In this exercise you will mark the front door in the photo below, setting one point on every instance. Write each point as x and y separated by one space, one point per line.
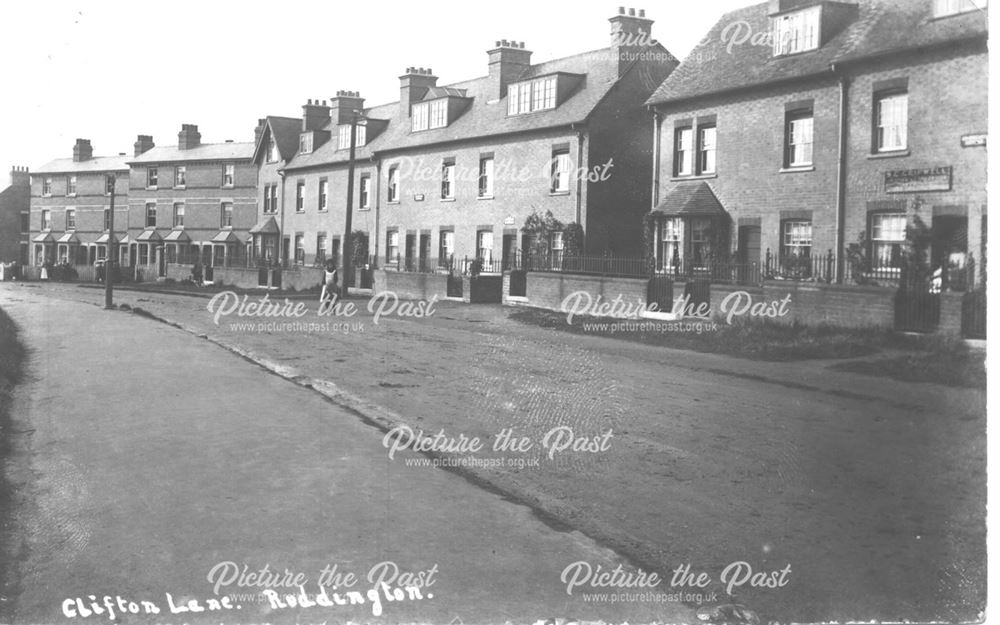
411 250
509 249
425 250
749 244
949 244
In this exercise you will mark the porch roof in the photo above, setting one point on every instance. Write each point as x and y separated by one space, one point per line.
267 226
149 235
177 235
690 199
69 237
45 237
226 236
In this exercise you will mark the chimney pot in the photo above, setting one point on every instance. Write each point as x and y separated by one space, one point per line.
498 44
621 10
631 12
642 12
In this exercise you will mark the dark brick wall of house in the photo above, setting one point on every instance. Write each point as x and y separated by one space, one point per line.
14 200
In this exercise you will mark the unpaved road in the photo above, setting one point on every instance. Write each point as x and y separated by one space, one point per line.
147 458
872 491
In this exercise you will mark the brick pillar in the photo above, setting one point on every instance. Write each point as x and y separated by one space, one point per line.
951 313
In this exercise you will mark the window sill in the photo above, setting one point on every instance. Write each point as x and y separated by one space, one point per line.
228 186
796 170
364 208
485 197
153 188
893 154
320 210
71 195
392 202
180 187
447 199
558 193
692 177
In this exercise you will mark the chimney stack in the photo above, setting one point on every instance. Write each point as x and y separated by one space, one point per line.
630 35
507 62
19 177
343 105
314 115
143 144
413 85
259 130
188 137
82 151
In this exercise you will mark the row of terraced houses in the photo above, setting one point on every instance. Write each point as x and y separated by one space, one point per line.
797 130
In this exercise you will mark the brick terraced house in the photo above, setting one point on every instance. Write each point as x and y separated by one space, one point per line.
799 128
454 171
70 206
190 202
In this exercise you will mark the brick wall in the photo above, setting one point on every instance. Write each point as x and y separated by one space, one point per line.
548 290
521 187
946 100
89 203
749 180
313 220
415 286
811 304
202 197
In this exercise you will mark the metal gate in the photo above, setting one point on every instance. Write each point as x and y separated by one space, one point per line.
918 304
974 314
454 285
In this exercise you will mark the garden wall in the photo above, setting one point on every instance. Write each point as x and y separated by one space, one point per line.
416 286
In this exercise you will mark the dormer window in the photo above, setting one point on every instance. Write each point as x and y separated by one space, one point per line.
344 136
796 32
272 151
305 143
944 8
439 113
433 114
531 96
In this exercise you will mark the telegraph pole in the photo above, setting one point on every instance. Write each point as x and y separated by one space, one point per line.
109 265
348 243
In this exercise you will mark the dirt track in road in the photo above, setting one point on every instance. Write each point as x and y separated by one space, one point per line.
871 490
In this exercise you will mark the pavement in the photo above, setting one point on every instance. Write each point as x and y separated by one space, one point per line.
149 458
872 490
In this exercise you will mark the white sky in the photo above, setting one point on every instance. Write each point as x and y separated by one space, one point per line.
109 70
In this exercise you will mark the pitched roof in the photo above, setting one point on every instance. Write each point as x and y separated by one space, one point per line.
690 199
203 152
898 25
487 114
721 63
91 165
286 131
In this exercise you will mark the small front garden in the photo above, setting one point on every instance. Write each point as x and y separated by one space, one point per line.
911 358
